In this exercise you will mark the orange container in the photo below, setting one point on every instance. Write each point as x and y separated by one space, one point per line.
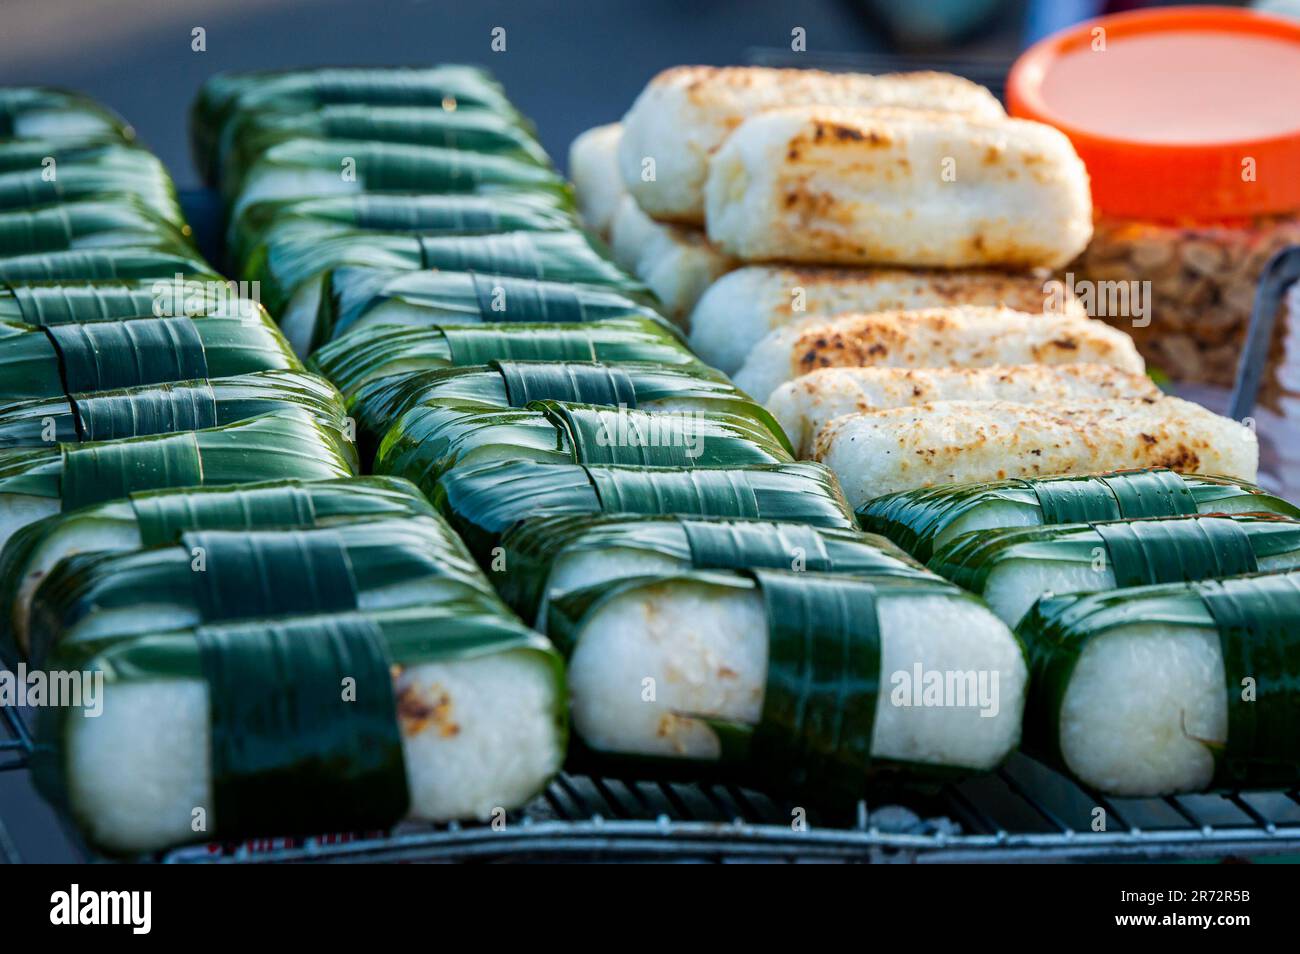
1180 113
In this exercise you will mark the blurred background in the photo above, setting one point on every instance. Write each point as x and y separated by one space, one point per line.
569 65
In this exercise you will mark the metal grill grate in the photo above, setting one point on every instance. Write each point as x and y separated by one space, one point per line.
1023 812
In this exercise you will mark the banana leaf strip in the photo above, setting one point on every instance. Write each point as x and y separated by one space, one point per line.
485 501
139 261
82 224
72 301
354 359
823 678
94 472
1257 619
286 748
920 521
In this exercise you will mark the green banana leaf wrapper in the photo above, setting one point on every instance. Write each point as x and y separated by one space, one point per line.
429 440
18 155
513 384
216 576
145 261
1075 557
300 276
226 97
127 173
353 298
88 225
1257 618
357 358
171 406
64 477
813 737
73 301
46 362
288 754
920 520
485 501
157 517
312 168
477 213
618 547
471 130
32 112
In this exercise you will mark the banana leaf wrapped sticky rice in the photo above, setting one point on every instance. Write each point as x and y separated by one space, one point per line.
63 477
227 96
72 301
46 362
1166 689
98 223
356 358
802 681
1011 568
923 521
293 274
473 130
170 406
547 557
359 297
495 210
236 730
429 440
513 384
212 576
118 170
30 112
309 168
156 517
485 501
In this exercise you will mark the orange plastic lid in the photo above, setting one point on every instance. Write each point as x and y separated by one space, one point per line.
1179 113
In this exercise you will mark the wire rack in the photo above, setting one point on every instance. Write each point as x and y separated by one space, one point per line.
1023 812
